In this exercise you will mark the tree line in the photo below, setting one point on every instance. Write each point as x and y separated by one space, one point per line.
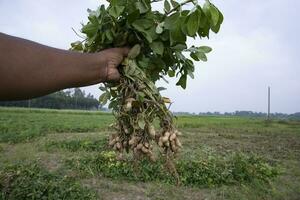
67 99
77 99
245 114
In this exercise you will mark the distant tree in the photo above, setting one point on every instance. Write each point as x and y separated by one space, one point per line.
59 100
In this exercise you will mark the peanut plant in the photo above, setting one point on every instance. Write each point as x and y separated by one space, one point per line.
159 49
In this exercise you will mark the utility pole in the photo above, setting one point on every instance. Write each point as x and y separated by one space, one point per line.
29 103
269 102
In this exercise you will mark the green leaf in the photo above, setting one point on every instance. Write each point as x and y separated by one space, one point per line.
143 62
133 16
90 29
174 3
221 18
113 105
171 73
152 33
201 56
114 2
77 46
147 36
134 51
109 35
167 6
204 32
142 6
179 47
171 21
194 56
142 24
157 47
193 23
161 88
102 88
206 9
176 36
183 21
203 21
205 49
214 14
182 81
116 11
191 74
165 36
216 28
104 98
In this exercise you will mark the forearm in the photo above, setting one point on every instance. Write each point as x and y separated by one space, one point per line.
29 69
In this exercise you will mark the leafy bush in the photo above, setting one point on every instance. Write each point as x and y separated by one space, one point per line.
211 171
29 181
79 145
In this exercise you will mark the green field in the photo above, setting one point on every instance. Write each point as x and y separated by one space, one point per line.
63 155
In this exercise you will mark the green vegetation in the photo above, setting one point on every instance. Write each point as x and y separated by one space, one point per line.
237 125
19 125
206 171
58 100
29 181
222 158
79 145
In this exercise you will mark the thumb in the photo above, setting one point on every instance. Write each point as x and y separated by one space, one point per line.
124 51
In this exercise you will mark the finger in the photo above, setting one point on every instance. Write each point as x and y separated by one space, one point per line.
113 75
125 51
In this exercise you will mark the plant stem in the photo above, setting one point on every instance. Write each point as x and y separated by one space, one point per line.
179 5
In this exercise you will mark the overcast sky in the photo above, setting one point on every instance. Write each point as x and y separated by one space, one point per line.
258 46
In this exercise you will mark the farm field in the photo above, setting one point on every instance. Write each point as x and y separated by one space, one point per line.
63 154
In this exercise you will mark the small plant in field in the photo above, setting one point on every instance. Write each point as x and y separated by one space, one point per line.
159 47
29 181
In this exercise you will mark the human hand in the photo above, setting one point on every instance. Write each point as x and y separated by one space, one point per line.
110 60
34 70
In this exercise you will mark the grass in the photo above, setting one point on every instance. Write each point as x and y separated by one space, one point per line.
20 125
79 145
237 125
223 158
